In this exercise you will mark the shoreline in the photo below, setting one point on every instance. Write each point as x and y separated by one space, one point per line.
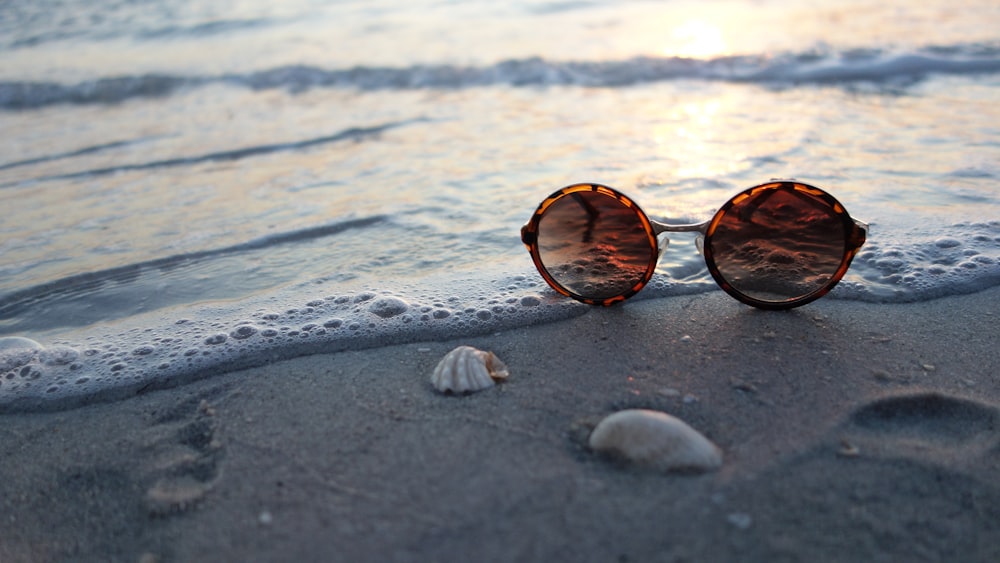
849 431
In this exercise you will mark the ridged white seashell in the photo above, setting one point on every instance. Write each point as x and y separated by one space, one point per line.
656 440
466 369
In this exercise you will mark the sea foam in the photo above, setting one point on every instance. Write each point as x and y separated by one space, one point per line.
115 363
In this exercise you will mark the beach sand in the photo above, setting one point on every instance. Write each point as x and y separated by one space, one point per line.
850 432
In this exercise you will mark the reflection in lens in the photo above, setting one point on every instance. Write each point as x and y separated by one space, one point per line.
594 245
779 244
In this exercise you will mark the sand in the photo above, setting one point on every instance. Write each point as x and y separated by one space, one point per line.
850 432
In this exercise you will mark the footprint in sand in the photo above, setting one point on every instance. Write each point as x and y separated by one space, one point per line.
184 458
924 424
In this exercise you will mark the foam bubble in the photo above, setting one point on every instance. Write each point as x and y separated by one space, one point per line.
16 351
243 332
387 307
216 339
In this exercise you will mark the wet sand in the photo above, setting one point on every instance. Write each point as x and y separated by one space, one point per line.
850 432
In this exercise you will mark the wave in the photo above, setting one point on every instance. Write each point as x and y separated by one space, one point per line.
75 153
33 24
29 95
811 67
16 307
350 134
214 27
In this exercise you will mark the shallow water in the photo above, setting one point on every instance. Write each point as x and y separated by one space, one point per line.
172 173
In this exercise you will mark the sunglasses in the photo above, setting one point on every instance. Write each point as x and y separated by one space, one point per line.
775 246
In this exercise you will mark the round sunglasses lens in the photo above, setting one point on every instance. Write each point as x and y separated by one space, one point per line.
778 245
594 245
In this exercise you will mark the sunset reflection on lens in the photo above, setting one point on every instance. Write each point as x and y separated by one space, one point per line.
595 246
777 243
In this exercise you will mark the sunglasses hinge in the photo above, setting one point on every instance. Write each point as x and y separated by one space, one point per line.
528 235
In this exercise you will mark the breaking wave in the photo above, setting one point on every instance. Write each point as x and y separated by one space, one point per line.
812 67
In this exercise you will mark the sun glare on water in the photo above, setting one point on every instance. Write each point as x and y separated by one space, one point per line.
696 39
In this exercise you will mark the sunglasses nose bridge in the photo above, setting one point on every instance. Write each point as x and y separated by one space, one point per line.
661 230
662 242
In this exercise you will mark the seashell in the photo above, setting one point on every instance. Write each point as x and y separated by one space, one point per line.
656 440
466 369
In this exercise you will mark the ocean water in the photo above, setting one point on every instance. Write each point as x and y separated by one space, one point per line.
190 188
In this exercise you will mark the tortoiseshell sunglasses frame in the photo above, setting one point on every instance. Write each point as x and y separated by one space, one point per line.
856 234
